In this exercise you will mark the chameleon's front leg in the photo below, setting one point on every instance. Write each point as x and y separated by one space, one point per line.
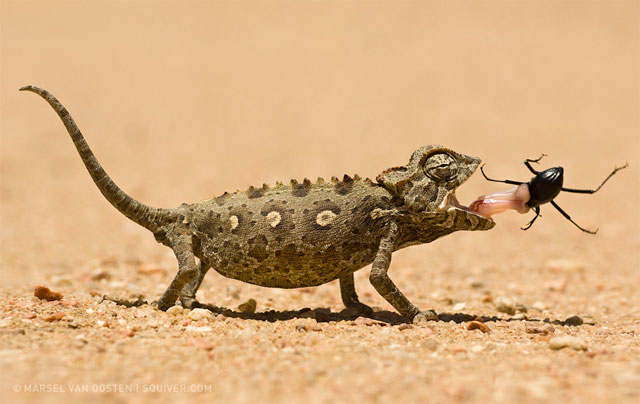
385 286
349 295
187 271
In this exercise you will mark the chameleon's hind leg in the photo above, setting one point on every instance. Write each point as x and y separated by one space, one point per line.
187 271
188 294
350 297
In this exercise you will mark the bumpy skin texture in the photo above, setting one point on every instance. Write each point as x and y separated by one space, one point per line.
303 234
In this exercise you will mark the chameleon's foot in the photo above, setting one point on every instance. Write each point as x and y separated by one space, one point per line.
189 302
164 304
424 316
358 309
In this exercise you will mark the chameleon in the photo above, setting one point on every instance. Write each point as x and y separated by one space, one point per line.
303 234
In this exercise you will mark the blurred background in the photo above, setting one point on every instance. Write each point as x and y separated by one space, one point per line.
182 101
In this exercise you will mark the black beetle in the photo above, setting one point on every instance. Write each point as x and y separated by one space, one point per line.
546 185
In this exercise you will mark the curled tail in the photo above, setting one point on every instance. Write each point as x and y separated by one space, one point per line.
145 216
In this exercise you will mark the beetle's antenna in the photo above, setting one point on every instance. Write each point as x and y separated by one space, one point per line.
504 181
555 205
537 210
593 191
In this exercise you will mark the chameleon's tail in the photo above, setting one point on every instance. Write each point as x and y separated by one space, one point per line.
140 213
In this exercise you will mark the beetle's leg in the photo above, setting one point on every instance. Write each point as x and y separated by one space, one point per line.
537 210
569 219
528 162
505 181
593 191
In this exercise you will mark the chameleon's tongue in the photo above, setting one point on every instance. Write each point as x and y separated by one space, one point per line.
516 199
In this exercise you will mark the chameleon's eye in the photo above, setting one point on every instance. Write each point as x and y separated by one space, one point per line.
440 167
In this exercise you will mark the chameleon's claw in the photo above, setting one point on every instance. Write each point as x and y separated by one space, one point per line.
424 316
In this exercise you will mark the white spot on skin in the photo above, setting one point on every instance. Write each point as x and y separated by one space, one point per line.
274 218
234 222
325 218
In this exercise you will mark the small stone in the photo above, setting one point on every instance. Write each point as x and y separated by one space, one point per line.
545 330
565 265
127 333
367 321
458 306
175 311
248 307
430 344
559 285
202 344
505 305
44 293
192 328
100 274
54 317
477 325
405 326
540 306
521 308
29 316
573 321
476 284
567 341
146 269
199 314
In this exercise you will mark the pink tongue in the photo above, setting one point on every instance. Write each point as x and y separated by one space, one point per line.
516 199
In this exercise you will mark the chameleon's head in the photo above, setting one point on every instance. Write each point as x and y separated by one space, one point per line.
427 184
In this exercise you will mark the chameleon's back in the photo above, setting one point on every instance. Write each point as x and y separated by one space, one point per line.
292 235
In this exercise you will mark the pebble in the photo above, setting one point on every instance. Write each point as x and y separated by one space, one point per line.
573 321
175 310
248 307
477 325
127 333
199 314
458 306
545 330
202 344
403 327
100 274
567 341
505 305
145 269
540 306
44 293
54 317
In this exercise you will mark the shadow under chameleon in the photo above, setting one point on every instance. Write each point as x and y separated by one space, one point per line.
323 315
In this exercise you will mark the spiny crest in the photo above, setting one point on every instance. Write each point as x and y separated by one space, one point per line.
341 186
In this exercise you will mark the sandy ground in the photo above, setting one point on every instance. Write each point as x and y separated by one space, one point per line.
182 101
